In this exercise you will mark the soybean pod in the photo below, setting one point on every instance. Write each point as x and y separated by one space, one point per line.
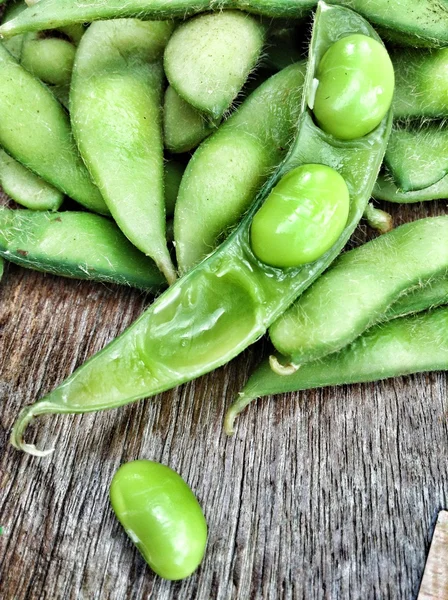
421 84
35 130
226 171
227 302
184 127
387 189
209 58
78 245
402 346
430 28
417 155
120 135
429 295
373 277
26 188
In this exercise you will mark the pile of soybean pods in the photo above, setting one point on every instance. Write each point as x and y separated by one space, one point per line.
215 155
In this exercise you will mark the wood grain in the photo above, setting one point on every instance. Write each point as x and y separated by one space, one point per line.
435 578
328 494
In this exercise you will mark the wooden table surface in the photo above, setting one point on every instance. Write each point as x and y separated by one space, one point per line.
322 494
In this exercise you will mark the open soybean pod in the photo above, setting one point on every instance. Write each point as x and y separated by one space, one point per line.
402 346
229 300
115 111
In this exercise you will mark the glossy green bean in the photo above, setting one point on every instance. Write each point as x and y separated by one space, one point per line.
430 28
386 189
226 171
226 303
26 188
210 80
162 517
372 277
35 130
79 245
184 127
399 347
120 136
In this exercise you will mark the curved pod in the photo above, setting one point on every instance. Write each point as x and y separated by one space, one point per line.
115 111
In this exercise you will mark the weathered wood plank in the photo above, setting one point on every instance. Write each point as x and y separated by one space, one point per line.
325 494
435 578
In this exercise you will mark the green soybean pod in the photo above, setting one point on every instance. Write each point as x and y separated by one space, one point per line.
386 189
51 14
429 295
209 58
49 59
417 155
429 28
184 127
227 170
229 300
14 44
402 346
358 289
421 88
26 188
35 130
78 245
120 136
162 517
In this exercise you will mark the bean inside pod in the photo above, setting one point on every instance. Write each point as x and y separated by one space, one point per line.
302 217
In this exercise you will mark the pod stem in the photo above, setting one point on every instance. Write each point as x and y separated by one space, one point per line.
234 410
25 417
281 369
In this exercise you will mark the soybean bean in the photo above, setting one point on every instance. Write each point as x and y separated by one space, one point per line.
226 303
358 289
400 347
301 219
26 188
209 58
162 517
35 130
76 245
354 87
228 169
430 28
120 137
